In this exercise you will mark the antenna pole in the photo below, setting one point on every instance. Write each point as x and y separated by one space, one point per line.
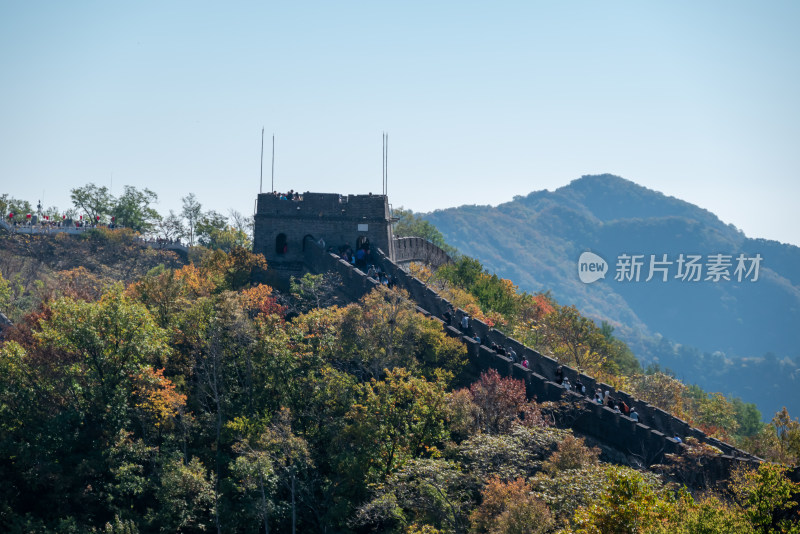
383 163
273 162
261 176
386 166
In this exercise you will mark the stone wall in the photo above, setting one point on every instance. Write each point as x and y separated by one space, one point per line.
407 249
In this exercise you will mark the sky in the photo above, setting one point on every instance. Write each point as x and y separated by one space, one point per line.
482 101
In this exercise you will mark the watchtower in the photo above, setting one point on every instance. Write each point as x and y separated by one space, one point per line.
284 227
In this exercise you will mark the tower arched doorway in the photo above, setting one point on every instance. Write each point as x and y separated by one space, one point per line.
281 244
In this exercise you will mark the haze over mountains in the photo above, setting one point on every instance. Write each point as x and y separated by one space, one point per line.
737 336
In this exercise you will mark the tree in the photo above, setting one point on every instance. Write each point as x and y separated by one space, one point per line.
501 402
572 453
20 208
226 238
93 200
398 418
133 209
575 339
510 508
5 294
185 497
517 453
209 224
424 491
192 210
170 227
111 339
629 504
314 291
768 498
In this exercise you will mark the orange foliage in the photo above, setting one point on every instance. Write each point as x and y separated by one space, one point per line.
197 282
259 300
79 284
158 398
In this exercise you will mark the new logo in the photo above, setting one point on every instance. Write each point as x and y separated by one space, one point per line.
591 267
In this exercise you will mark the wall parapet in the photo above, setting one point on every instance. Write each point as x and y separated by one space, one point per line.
407 249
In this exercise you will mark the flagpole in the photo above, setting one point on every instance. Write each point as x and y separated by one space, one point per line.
273 162
261 178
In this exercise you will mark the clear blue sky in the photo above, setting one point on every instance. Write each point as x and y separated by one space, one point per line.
482 100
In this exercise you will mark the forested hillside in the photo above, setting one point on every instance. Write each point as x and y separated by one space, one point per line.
737 335
144 393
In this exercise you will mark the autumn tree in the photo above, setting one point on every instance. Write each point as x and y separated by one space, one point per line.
501 402
510 507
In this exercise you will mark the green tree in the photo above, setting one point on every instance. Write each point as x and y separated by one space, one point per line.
628 504
314 291
769 499
185 497
111 341
20 208
208 225
134 209
424 491
95 201
398 418
5 294
574 339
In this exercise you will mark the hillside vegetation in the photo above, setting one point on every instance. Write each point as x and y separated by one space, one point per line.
180 397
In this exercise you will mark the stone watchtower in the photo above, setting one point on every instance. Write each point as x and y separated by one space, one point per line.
283 227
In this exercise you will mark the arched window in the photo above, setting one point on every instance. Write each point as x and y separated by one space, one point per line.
281 246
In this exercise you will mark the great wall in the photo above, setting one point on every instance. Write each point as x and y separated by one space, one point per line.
308 231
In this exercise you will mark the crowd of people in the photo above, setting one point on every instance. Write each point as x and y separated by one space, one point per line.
291 195
362 259
47 224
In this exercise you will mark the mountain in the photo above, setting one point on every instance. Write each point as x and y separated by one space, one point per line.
738 335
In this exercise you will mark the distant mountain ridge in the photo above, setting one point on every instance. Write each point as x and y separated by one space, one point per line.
536 240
